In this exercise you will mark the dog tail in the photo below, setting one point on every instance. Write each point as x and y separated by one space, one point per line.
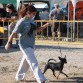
51 59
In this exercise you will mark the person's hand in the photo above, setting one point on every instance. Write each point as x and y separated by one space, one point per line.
50 23
7 46
47 24
4 19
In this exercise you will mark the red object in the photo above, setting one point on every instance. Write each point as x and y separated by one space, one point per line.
78 10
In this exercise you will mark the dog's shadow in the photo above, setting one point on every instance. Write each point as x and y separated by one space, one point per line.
77 79
69 80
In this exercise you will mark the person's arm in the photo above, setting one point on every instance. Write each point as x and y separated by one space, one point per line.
8 45
43 27
51 15
17 30
11 37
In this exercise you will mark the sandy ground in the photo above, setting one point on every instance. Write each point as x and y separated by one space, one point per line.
10 60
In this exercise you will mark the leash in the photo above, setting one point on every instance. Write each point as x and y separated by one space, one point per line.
59 48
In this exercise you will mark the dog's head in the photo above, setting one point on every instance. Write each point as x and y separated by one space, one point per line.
63 60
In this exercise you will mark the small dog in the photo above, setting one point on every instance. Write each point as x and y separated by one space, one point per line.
56 66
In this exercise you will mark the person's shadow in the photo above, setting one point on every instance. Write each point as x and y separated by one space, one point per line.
66 80
13 49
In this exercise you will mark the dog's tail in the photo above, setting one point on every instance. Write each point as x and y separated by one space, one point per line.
51 59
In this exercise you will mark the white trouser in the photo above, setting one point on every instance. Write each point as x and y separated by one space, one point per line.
29 60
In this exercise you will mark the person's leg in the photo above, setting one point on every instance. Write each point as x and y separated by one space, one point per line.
24 66
54 34
31 59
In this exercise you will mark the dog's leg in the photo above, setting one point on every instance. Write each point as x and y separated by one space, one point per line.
58 75
45 69
54 72
64 74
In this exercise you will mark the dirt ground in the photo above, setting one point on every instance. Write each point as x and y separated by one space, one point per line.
10 60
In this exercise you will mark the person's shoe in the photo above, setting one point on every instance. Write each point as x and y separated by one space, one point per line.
18 81
47 81
22 80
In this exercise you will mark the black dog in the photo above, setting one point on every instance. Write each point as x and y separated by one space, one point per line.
56 66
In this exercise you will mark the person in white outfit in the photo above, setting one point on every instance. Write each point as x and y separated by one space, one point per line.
26 28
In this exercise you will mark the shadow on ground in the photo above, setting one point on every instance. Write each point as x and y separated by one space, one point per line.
67 80
43 47
57 47
2 50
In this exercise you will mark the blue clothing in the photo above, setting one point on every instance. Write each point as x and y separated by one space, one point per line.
26 29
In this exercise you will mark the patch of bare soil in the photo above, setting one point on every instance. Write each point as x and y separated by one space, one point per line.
10 60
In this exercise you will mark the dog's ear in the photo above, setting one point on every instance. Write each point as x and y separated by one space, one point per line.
59 58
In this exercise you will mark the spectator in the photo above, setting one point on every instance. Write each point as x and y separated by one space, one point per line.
11 11
12 14
45 16
37 17
56 14
2 15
